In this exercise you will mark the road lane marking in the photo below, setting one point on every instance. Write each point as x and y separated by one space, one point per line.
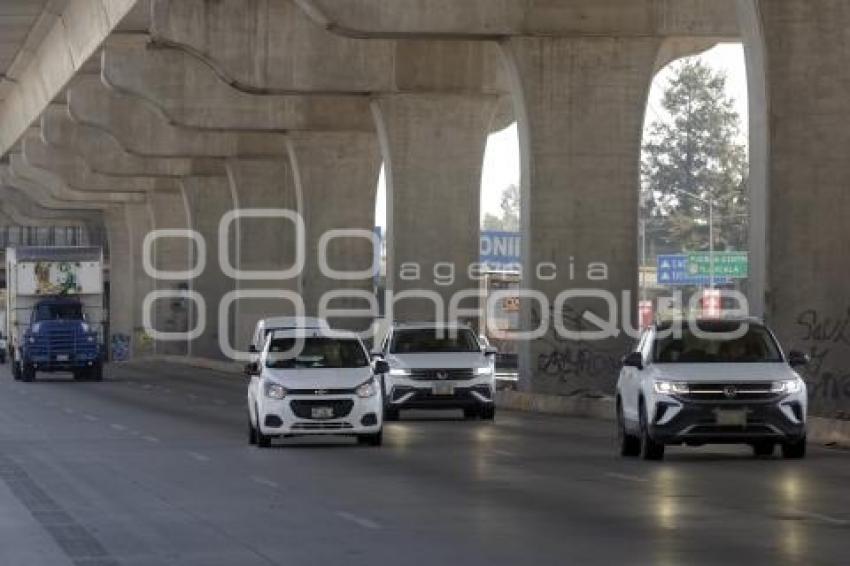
118 427
69 411
626 477
150 438
264 481
358 520
199 457
91 418
504 453
823 518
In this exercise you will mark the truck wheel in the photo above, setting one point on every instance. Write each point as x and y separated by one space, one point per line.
96 373
27 373
16 370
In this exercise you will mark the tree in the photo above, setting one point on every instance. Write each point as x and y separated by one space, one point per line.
508 221
696 150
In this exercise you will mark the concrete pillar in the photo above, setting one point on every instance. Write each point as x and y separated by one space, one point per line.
580 106
263 244
208 199
337 174
433 146
122 282
175 254
805 45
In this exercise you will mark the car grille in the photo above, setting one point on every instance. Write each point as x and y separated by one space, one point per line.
303 407
730 392
55 342
456 374
322 426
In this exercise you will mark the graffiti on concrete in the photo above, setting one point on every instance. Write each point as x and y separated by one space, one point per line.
566 359
827 341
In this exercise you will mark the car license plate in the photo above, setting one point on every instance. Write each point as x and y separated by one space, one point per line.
62 357
731 418
444 389
322 412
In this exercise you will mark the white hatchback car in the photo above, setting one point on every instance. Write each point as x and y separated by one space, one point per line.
438 366
314 382
711 381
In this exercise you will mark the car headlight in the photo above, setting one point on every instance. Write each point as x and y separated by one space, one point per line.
787 386
85 327
484 371
275 391
368 389
399 372
671 387
36 327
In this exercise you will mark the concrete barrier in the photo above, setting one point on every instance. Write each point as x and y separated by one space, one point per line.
824 431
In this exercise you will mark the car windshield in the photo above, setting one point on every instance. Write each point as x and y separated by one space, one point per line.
715 345
58 311
315 353
431 340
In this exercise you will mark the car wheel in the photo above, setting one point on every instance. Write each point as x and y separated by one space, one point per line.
391 415
763 449
96 373
472 413
794 450
263 441
488 413
27 373
629 443
371 439
650 450
252 432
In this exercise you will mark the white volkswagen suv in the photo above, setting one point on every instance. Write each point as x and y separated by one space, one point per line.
438 366
314 382
711 381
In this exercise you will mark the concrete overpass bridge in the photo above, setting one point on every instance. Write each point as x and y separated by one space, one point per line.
138 115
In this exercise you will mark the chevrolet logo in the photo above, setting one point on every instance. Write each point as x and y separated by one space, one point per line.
730 391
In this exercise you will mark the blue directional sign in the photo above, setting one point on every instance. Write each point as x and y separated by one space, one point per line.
674 270
500 251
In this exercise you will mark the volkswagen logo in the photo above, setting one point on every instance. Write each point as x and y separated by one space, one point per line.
730 391
442 375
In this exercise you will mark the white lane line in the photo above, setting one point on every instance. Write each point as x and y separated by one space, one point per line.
358 520
264 481
192 397
626 477
167 390
91 418
150 438
69 411
117 427
504 453
823 518
199 457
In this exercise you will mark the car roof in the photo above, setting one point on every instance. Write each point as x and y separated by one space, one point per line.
314 333
707 321
292 322
429 325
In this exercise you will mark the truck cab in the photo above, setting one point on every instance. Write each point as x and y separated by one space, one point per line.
59 338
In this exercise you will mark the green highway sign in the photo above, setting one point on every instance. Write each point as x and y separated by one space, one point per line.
735 265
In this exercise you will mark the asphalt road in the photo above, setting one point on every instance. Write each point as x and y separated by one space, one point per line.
153 467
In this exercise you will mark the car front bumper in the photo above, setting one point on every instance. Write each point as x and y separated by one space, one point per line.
410 394
352 415
676 421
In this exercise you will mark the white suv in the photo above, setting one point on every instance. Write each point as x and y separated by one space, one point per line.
314 382
711 381
437 366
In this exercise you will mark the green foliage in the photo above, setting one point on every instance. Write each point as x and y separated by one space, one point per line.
695 150
508 221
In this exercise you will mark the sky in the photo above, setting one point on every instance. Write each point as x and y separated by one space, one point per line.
501 159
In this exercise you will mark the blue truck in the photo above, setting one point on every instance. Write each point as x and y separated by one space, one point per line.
55 312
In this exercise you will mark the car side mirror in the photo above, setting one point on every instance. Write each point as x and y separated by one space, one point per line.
252 369
798 359
633 360
252 349
490 351
381 367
